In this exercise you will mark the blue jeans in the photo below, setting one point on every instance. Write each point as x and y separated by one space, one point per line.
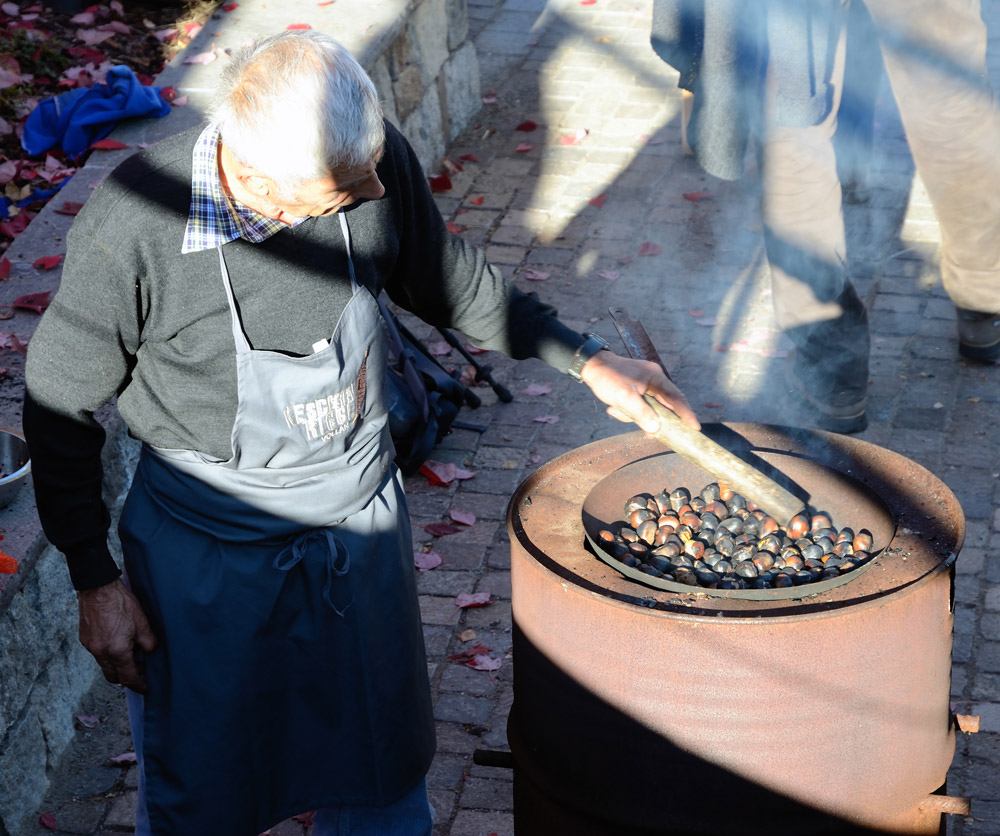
412 815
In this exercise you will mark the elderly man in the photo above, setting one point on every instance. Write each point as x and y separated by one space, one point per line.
222 284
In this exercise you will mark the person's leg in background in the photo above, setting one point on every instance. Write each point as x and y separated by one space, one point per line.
935 57
816 304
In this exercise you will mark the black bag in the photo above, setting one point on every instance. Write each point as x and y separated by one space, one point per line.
424 398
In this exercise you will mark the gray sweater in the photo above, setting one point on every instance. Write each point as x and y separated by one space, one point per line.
137 319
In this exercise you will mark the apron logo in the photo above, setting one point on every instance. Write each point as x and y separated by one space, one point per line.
326 417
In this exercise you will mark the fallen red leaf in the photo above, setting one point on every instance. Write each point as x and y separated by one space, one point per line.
610 275
4 268
649 248
477 201
468 653
696 312
462 517
482 662
465 600
8 564
18 346
86 54
425 561
168 94
574 139
202 57
440 529
438 473
37 302
48 821
327 3
124 757
537 389
695 197
469 158
599 200
546 419
454 228
490 98
524 147
626 260
535 275
47 262
298 26
440 182
192 28
527 125
228 7
588 2
473 350
109 145
439 348
16 225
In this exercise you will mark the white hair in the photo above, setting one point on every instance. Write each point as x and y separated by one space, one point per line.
295 106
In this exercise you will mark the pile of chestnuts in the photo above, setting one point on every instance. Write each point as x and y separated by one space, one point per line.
717 540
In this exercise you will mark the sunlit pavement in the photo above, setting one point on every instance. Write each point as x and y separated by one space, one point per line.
597 207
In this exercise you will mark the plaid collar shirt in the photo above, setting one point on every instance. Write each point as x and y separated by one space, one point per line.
214 219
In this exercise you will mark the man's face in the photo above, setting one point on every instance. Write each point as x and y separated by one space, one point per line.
326 195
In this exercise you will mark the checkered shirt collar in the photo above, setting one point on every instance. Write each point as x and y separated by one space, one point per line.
214 219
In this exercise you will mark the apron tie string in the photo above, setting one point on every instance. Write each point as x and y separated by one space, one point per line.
338 559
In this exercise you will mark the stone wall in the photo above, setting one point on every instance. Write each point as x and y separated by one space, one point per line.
427 75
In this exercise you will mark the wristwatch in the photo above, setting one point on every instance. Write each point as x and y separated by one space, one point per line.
593 344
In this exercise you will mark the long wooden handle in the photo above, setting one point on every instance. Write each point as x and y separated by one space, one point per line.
716 460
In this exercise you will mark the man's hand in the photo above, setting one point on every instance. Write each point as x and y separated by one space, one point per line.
114 629
621 382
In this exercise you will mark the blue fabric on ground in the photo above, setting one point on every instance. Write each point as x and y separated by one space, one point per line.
77 118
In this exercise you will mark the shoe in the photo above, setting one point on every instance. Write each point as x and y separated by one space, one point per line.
978 335
840 412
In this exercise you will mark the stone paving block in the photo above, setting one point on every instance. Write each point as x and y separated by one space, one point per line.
463 679
438 610
463 708
122 812
438 582
476 823
456 738
436 639
988 656
959 680
498 583
970 561
487 794
989 626
446 772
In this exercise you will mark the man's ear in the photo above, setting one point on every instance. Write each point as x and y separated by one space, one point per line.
257 184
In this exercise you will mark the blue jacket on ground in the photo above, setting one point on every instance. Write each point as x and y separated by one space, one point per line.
77 118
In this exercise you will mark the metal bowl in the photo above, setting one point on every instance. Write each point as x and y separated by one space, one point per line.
14 464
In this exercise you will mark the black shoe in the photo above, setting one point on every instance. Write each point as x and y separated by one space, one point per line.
839 412
978 335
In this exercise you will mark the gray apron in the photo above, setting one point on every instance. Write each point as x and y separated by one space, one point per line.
291 673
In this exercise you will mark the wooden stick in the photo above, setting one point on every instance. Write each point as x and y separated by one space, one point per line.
716 460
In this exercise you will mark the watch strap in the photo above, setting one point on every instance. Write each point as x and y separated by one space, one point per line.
588 349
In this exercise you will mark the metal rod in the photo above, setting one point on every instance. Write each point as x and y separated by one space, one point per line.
946 804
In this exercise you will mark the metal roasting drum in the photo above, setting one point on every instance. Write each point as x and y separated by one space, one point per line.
820 709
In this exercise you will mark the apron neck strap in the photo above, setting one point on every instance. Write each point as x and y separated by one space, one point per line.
239 337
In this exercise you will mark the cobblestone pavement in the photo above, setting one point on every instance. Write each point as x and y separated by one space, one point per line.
603 176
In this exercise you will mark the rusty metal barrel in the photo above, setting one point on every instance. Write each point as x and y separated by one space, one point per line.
652 710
